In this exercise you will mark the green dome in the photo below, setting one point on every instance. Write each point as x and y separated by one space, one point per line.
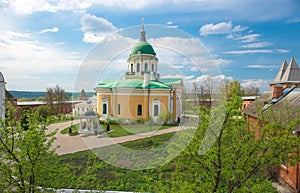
143 47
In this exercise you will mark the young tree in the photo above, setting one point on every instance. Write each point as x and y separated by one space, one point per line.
24 118
44 112
237 159
164 117
233 87
27 162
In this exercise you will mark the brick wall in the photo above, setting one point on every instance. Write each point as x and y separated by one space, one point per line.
288 175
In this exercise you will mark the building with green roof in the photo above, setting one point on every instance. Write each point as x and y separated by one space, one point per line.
142 94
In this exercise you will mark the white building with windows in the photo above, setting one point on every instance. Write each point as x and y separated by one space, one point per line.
85 106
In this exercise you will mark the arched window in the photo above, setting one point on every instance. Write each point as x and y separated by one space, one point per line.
138 67
146 67
131 68
152 67
155 110
139 110
104 108
119 109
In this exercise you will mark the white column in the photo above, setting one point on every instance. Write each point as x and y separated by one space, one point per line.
80 126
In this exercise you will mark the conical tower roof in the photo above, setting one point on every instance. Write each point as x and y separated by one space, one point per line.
292 73
281 72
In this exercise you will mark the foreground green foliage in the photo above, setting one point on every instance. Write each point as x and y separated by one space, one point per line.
89 172
27 164
92 173
235 162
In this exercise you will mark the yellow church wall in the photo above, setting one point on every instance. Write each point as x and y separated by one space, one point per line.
129 106
100 98
129 101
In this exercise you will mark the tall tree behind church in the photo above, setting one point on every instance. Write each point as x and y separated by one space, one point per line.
55 98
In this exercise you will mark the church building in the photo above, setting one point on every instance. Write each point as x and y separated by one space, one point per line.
141 94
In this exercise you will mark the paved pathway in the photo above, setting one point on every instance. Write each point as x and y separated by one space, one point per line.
70 144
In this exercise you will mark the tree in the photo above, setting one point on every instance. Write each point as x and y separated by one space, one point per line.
27 164
164 117
238 158
44 112
55 98
24 118
204 91
250 91
233 87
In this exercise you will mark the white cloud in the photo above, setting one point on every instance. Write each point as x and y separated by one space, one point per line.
239 28
260 83
222 28
177 67
24 58
249 51
262 10
283 51
248 38
218 78
293 20
95 28
219 28
185 78
256 45
260 66
170 25
54 29
221 61
173 26
23 7
255 51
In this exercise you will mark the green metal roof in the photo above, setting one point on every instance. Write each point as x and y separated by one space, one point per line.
143 47
170 81
131 83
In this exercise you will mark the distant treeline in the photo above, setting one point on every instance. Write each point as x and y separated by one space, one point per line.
37 94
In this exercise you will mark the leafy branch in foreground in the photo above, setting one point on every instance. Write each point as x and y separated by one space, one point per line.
28 164
237 161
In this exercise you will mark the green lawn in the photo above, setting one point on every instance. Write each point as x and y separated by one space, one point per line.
74 130
124 130
190 112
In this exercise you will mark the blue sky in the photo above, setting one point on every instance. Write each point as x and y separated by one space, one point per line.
44 42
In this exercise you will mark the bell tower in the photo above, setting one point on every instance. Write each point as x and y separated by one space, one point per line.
142 59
